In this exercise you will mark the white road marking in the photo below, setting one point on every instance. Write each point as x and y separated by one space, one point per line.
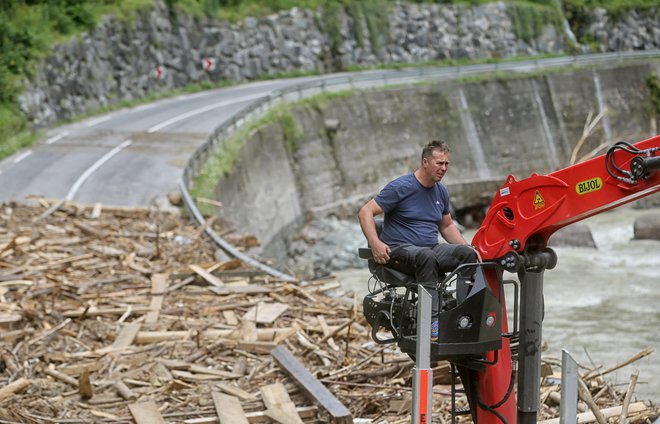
59 136
202 110
97 121
85 175
22 156
143 107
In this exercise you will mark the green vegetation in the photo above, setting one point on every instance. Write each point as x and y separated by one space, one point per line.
29 29
529 18
653 83
221 162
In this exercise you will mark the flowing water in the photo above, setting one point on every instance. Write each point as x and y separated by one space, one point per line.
600 304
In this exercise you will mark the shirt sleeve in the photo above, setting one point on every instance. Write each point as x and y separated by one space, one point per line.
390 196
445 198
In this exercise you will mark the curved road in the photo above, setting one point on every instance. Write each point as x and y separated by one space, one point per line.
134 157
129 157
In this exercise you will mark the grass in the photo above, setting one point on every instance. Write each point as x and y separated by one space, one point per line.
221 162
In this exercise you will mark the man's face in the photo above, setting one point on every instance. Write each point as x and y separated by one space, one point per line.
436 165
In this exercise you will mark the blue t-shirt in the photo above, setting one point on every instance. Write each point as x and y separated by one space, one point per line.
412 212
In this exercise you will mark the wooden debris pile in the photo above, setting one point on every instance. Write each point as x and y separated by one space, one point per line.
125 316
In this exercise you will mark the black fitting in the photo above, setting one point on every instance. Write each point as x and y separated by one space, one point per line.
641 166
511 262
544 259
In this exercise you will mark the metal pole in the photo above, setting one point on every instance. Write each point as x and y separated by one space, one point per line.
529 357
569 389
422 373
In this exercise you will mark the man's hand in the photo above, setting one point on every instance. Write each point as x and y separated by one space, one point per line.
380 252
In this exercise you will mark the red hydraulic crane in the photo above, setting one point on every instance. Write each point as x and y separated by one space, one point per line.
474 334
514 235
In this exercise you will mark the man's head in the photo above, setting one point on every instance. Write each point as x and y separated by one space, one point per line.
435 160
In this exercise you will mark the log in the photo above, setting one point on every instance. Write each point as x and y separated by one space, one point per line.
585 395
15 386
588 417
626 399
158 288
146 337
61 377
210 278
124 391
85 388
313 387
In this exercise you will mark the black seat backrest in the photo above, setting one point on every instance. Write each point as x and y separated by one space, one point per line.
384 273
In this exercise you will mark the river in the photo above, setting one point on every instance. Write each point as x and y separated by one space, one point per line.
600 304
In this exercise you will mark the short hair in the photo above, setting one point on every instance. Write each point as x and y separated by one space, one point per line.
434 145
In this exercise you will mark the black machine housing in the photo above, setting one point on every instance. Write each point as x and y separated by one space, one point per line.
470 322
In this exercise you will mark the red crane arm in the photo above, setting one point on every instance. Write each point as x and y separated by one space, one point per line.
534 208
521 218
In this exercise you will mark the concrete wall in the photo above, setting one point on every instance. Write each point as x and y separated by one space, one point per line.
495 128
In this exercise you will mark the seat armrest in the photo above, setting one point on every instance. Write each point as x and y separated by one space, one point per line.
365 253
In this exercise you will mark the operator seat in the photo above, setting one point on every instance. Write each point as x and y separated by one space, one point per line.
384 273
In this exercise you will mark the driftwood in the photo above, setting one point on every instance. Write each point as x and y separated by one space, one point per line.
317 391
128 315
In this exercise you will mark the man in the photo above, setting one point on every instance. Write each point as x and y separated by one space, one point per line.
416 208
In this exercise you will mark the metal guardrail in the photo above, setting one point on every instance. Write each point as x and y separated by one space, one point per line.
363 79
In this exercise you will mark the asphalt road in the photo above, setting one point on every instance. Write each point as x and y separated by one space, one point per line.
131 157
135 156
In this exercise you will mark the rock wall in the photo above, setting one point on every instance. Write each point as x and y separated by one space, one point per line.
124 59
497 127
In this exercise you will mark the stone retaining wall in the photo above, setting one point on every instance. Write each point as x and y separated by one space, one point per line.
124 59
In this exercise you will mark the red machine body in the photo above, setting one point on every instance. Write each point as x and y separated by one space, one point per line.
525 213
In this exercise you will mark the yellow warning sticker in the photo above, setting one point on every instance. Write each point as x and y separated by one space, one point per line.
588 186
539 202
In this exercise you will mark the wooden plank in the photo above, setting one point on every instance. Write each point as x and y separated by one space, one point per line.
146 413
236 391
126 335
158 289
210 278
279 406
313 387
249 289
256 416
229 409
265 313
589 417
230 317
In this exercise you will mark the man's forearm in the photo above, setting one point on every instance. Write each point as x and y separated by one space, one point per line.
452 235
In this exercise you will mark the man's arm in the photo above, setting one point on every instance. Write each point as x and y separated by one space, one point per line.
449 231
380 250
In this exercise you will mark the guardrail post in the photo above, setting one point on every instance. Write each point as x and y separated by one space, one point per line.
569 389
422 373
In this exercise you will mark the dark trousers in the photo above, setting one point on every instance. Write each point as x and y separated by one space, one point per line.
429 265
